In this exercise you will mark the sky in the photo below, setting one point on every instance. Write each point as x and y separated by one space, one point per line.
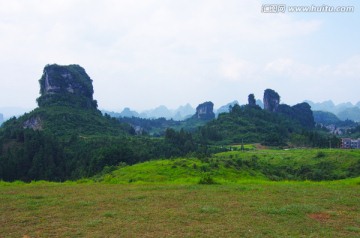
145 53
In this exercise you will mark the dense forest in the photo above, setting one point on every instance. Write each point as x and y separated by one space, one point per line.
79 143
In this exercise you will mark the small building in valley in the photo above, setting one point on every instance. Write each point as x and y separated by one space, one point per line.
348 143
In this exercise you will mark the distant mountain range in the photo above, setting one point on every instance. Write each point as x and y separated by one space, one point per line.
181 113
344 111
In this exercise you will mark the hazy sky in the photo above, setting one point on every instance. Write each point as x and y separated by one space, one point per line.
145 53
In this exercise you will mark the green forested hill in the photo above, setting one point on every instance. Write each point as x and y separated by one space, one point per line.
61 142
64 121
326 118
251 124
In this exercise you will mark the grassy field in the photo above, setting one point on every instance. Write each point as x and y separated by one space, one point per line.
249 209
163 198
235 166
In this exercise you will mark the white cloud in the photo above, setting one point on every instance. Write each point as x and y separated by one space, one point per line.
280 66
349 69
235 69
290 68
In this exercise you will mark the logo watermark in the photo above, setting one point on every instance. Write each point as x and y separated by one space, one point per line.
283 8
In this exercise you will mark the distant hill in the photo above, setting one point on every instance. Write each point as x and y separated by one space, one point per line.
183 112
160 111
179 114
128 113
260 103
226 108
325 118
329 106
158 126
344 111
9 112
352 113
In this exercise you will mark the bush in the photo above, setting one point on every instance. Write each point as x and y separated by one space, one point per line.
207 179
320 154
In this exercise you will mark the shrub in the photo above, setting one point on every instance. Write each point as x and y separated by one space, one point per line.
320 154
207 179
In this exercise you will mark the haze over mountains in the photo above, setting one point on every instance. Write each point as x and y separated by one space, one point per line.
344 111
181 113
8 112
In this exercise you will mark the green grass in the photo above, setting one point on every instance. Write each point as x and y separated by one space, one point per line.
236 166
249 209
177 171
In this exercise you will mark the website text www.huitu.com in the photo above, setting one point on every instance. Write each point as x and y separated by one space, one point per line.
282 8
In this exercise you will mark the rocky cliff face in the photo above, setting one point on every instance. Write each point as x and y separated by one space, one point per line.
66 85
271 100
34 123
205 111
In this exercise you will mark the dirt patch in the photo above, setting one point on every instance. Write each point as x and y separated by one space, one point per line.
259 146
320 216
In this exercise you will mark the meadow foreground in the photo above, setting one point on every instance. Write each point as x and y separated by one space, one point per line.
247 209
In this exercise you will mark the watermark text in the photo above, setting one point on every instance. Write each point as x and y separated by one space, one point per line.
283 8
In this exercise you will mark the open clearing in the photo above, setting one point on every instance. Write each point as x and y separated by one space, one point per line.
247 209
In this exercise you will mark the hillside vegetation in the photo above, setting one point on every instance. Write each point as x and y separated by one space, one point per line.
237 166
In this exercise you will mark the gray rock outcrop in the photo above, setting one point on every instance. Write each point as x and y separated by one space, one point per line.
205 111
271 100
34 123
66 85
